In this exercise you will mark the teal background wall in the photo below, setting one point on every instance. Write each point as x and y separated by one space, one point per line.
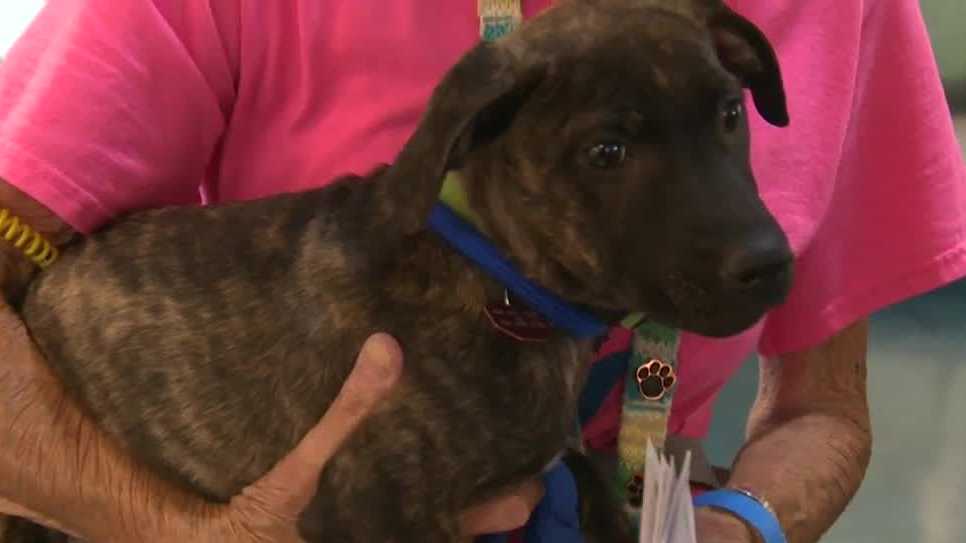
947 25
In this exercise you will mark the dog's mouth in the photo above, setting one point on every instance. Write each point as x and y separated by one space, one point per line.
686 304
689 306
718 313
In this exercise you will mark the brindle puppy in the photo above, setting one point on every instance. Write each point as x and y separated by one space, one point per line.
604 148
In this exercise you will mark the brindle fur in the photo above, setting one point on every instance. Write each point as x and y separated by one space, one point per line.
209 340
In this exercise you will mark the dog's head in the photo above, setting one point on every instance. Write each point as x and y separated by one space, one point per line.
605 146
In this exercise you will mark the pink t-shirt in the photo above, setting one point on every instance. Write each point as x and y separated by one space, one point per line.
107 107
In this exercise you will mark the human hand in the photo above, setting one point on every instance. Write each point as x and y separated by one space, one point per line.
267 510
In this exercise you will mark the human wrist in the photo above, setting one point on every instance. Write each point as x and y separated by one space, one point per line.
715 526
16 267
739 514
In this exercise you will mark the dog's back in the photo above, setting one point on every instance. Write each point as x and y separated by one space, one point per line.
167 324
209 340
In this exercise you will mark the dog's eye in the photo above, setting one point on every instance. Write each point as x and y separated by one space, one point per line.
607 155
731 115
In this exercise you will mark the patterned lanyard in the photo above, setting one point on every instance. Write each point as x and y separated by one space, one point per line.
649 386
650 379
499 17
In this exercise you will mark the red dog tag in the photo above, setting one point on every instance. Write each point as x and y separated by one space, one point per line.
519 323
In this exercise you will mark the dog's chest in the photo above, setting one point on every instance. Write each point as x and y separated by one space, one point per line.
538 382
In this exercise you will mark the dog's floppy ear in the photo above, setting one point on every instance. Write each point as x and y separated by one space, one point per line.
745 51
473 103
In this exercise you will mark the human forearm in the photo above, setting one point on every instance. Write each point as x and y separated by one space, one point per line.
809 439
53 460
808 468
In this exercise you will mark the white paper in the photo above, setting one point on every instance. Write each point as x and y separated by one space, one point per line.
668 513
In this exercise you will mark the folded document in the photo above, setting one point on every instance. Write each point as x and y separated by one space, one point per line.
668 512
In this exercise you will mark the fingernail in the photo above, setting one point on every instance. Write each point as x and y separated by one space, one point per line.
380 359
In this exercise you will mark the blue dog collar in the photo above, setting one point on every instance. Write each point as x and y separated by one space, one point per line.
467 240
747 508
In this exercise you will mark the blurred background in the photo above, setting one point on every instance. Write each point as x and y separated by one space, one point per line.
947 24
916 487
14 17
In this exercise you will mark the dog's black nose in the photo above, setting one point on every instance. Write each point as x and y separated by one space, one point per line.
760 264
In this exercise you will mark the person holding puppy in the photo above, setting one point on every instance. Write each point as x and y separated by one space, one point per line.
107 108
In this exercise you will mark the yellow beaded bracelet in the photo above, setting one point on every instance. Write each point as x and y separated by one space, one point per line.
33 245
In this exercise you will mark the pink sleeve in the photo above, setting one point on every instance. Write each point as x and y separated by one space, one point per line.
108 107
896 225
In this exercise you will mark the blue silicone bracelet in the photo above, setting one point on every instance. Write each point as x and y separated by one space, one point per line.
748 509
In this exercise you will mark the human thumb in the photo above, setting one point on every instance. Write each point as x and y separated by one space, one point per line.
290 485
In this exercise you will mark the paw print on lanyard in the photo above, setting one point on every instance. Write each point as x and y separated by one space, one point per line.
655 379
